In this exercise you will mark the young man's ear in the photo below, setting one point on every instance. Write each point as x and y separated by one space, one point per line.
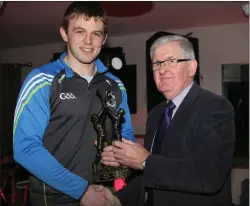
105 38
192 67
63 34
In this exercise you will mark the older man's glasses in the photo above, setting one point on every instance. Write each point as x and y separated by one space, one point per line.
167 63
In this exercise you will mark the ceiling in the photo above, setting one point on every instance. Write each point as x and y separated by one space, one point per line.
31 23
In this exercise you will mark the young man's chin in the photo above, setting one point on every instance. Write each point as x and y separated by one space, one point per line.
87 60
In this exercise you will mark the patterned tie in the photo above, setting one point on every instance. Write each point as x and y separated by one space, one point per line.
164 124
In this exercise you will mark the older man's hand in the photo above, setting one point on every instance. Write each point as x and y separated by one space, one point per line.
129 153
108 157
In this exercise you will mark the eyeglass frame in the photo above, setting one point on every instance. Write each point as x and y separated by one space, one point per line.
168 60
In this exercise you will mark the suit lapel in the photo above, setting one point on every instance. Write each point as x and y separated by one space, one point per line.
153 123
182 115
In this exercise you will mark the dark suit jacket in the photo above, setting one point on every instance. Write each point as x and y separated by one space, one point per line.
193 167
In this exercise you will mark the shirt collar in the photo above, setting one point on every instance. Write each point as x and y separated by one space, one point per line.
178 99
69 72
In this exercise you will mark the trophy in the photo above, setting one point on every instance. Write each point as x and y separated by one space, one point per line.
103 173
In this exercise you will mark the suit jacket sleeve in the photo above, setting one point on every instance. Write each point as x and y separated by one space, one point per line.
207 167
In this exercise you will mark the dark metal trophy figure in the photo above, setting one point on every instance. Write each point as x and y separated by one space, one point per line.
103 173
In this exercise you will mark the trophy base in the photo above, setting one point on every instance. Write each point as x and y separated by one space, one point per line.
111 173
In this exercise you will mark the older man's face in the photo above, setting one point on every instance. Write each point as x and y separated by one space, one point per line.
172 80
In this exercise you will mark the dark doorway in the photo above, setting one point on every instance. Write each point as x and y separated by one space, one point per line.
235 87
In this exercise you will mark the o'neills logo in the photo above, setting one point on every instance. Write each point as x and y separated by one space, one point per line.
61 78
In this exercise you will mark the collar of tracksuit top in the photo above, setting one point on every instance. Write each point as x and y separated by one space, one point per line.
70 73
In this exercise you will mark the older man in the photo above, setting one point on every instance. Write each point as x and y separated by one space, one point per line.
189 142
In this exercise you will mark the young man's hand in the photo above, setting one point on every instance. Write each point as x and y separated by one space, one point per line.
98 195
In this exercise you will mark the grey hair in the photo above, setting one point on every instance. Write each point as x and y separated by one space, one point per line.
185 45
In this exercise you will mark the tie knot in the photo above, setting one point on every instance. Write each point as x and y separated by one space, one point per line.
170 105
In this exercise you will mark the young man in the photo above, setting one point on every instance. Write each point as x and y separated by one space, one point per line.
53 134
189 140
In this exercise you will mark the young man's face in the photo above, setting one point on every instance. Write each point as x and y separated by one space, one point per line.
84 38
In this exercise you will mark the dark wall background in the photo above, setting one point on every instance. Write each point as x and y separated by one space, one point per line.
237 92
10 83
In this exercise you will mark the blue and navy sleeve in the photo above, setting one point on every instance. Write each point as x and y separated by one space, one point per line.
127 128
30 121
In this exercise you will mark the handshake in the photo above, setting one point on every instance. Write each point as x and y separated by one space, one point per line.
123 152
98 195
